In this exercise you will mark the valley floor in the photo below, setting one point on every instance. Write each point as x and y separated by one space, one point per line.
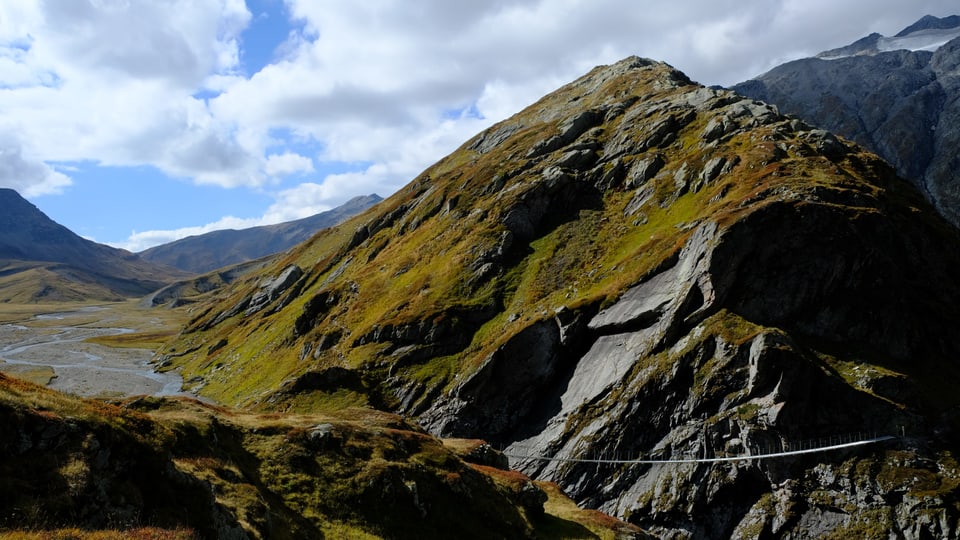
53 349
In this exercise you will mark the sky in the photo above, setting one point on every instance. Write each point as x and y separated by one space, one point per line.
138 122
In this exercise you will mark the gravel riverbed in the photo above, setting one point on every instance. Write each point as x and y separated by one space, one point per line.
59 354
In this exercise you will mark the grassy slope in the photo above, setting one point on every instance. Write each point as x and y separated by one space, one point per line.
187 468
30 282
414 267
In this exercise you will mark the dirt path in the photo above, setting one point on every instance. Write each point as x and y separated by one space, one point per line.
54 350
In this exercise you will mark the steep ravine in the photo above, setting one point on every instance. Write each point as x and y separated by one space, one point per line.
635 266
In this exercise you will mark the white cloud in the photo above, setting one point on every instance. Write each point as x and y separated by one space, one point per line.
30 177
19 19
177 41
306 199
372 81
112 81
310 198
378 82
287 163
139 241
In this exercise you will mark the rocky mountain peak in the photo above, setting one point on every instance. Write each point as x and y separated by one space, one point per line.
927 34
930 22
898 100
635 265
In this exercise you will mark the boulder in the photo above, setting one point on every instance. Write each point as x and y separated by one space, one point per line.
271 289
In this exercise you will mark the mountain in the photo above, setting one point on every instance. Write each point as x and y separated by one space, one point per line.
41 260
929 33
635 266
218 249
178 469
898 96
931 23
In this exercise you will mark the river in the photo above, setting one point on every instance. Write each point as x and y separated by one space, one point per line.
78 367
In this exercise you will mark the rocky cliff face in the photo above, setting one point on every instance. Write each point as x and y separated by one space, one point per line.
636 266
900 103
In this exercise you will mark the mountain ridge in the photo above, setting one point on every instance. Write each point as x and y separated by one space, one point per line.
901 104
928 33
43 260
218 249
639 265
931 22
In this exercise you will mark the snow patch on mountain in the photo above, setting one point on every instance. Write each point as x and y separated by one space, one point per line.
923 40
923 37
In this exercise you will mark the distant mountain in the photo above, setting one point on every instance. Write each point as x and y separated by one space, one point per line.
898 96
41 260
929 33
218 249
929 22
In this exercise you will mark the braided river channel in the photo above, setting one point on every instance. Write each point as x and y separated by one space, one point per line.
56 351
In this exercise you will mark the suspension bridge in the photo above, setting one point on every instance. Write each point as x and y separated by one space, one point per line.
827 444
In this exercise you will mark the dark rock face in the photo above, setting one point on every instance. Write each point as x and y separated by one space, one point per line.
505 389
901 104
660 378
665 372
271 289
268 291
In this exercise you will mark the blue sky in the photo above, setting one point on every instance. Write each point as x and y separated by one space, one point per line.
137 122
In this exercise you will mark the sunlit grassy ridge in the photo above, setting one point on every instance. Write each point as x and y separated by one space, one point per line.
72 468
495 237
35 283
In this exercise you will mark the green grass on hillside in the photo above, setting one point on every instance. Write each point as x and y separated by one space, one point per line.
146 533
351 473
